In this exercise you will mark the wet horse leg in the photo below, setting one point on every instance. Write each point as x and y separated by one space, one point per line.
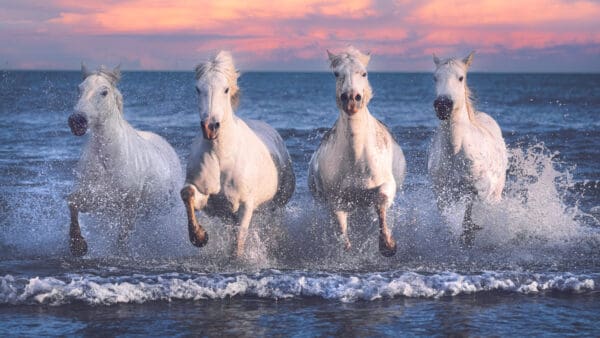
194 200
130 215
127 229
387 244
245 216
469 227
342 220
77 243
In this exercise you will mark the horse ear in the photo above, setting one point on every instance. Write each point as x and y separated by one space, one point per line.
365 58
330 55
467 61
436 60
116 73
84 70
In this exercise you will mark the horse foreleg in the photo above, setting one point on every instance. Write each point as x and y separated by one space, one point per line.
245 216
387 244
469 227
342 220
194 200
127 228
77 243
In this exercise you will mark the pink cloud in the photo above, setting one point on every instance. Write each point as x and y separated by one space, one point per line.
166 34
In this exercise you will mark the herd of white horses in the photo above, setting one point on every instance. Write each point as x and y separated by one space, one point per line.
238 165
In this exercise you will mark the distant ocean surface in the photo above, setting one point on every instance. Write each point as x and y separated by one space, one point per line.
534 268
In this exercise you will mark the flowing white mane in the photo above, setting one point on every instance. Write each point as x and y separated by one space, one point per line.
223 64
349 55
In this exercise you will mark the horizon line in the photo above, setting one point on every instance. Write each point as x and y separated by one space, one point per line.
593 72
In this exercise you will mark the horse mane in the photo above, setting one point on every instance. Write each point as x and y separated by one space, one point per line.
349 54
223 64
469 102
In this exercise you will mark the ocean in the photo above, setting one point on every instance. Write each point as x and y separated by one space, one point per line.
534 269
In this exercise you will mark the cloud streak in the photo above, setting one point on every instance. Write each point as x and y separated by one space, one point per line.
293 35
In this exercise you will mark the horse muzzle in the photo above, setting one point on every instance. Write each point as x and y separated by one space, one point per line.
210 131
351 103
78 124
443 107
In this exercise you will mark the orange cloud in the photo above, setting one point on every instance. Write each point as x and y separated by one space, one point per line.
443 13
140 16
168 34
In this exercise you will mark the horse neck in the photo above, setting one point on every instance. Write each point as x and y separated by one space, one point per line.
459 124
356 129
113 131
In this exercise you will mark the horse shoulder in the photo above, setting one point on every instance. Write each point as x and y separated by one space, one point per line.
203 169
385 140
489 124
258 163
325 151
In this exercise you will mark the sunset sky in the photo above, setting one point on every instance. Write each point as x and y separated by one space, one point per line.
527 35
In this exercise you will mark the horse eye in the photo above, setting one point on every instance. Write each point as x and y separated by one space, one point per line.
435 78
364 74
336 74
226 90
197 90
104 92
461 78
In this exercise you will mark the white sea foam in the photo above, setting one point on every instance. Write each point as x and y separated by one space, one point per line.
273 284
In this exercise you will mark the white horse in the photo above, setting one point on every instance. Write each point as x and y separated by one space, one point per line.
467 158
123 173
358 163
237 165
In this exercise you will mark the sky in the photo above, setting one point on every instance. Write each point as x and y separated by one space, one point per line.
293 35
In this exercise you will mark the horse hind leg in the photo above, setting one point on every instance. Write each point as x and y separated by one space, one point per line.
77 243
193 200
342 220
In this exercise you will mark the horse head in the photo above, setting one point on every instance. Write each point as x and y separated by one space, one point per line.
98 99
451 89
218 93
353 90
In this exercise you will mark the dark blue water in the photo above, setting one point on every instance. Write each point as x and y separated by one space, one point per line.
534 268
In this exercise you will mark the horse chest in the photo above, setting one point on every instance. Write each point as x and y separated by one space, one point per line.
351 171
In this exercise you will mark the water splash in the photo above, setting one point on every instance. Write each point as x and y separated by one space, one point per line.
538 224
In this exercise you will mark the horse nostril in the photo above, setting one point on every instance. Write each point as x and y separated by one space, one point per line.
344 97
358 97
217 125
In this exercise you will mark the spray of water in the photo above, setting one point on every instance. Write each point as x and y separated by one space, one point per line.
534 225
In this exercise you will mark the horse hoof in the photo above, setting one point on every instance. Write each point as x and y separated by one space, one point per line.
78 246
199 241
385 250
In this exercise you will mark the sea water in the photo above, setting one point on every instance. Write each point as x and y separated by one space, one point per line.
533 269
